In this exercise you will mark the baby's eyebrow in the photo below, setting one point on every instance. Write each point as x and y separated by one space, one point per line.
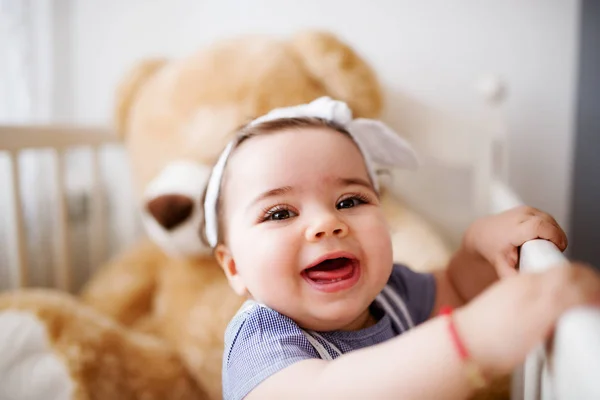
354 181
272 193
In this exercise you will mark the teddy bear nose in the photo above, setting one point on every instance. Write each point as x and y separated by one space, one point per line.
170 210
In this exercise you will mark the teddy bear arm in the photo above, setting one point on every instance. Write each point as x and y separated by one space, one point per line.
53 346
124 288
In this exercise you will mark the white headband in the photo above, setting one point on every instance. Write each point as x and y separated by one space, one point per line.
378 143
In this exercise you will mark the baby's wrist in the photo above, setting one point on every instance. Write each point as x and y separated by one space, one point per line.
470 244
468 330
471 368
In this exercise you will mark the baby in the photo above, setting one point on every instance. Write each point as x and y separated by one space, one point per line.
292 212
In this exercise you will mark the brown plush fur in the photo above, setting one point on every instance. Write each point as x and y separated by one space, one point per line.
151 326
186 302
106 360
189 107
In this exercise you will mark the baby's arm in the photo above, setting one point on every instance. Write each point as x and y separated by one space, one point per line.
498 328
489 250
421 363
401 367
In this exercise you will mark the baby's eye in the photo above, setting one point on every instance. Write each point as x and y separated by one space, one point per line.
279 214
350 202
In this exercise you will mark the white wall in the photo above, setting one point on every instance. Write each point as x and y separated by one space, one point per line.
430 51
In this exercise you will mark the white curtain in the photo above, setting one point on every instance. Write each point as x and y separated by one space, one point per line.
25 91
33 55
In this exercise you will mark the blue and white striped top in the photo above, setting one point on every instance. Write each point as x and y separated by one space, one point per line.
260 341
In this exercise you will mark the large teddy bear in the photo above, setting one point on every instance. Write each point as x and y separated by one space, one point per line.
150 323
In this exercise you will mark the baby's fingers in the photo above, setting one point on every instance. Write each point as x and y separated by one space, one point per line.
552 221
505 270
506 264
540 228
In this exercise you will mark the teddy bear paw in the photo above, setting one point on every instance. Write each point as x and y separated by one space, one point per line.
29 368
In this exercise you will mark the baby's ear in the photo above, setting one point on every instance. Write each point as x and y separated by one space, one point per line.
226 261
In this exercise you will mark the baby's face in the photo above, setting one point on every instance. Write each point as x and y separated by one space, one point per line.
304 228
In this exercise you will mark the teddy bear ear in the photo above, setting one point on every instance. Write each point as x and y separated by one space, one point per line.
341 71
129 87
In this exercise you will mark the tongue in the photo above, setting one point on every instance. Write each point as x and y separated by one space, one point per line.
330 270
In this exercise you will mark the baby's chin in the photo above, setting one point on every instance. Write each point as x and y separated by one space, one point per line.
348 312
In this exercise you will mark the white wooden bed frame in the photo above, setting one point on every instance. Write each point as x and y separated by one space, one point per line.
568 369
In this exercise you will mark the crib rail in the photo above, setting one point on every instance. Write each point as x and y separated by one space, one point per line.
16 139
568 367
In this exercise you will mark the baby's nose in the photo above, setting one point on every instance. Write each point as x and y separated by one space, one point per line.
328 226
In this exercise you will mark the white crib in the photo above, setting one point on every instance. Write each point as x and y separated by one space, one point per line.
567 369
59 142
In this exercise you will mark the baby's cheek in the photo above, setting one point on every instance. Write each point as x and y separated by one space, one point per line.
376 238
275 256
377 227
276 289
274 247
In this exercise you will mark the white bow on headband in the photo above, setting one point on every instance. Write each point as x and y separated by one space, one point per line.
379 145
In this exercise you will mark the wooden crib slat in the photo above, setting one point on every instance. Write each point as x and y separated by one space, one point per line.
19 264
97 223
61 138
62 273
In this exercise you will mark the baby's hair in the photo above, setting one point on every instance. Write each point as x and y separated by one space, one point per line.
247 132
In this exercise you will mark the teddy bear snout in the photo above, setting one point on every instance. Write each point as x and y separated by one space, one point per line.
170 210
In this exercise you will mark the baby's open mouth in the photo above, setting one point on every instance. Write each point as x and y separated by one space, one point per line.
333 274
330 271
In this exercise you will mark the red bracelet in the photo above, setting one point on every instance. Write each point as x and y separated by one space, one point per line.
473 371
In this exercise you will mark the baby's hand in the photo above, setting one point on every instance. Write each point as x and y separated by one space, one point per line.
503 324
497 238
